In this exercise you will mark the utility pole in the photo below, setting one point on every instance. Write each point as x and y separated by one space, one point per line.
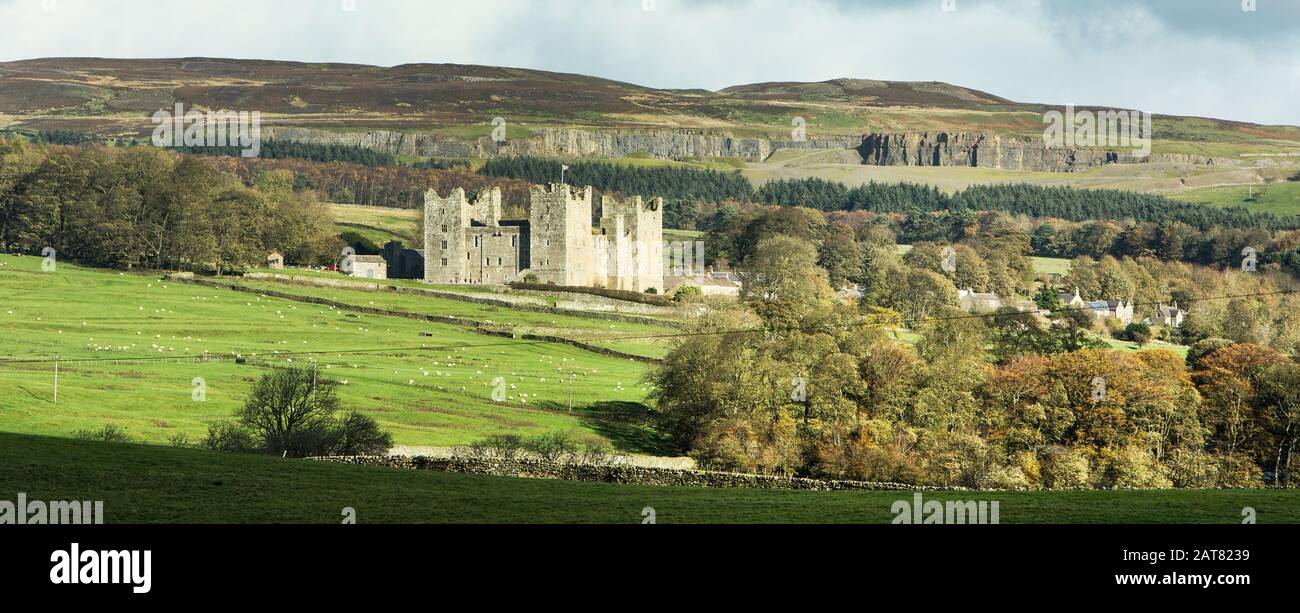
572 376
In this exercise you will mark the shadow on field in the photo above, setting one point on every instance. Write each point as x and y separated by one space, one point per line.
630 425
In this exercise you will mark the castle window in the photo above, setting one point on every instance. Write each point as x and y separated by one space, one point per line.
444 261
467 255
444 244
514 241
498 261
444 228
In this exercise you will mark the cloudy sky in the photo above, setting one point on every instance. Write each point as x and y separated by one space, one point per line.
1189 57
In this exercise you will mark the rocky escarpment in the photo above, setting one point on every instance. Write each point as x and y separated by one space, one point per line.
978 150
564 142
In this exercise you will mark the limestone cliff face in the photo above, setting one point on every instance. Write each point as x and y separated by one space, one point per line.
978 150
564 142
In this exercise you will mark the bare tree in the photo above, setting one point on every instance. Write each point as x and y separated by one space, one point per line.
291 410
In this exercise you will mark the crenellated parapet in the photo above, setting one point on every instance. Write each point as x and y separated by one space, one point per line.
468 242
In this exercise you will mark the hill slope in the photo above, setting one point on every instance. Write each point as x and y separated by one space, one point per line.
116 95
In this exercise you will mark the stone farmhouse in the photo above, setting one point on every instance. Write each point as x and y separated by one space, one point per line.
466 241
984 302
1170 316
1121 310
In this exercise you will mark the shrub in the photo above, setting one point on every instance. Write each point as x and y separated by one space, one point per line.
1130 468
1030 467
596 455
1000 477
107 434
1114 328
551 447
1064 469
228 437
503 446
1192 468
956 459
358 434
179 440
687 293
1239 470
880 452
1138 332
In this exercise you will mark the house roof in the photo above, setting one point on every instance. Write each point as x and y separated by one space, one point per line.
369 259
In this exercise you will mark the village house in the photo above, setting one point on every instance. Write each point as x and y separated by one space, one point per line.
1169 316
1072 301
1121 310
985 302
978 302
1118 309
274 260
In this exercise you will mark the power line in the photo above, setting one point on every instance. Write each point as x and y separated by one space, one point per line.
518 342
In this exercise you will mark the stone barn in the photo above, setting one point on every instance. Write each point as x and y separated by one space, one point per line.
369 267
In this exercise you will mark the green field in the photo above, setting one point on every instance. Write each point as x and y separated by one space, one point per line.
1042 266
1276 198
155 484
147 336
600 332
378 224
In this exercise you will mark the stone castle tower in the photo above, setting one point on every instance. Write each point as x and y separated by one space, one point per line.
467 241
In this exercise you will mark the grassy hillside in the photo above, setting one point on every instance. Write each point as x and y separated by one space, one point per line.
115 97
145 336
596 331
1277 198
154 484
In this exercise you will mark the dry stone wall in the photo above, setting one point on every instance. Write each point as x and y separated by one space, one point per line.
539 469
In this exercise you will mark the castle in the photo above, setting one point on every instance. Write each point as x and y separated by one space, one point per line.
467 241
